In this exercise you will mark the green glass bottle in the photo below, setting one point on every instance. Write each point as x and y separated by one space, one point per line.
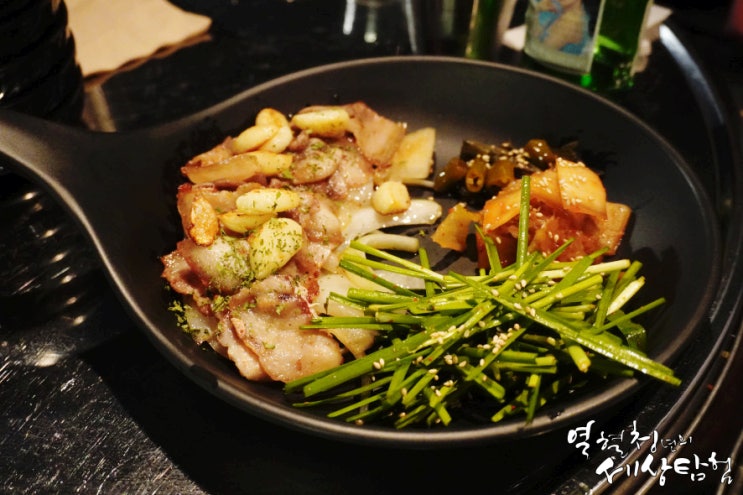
481 38
617 44
488 21
593 42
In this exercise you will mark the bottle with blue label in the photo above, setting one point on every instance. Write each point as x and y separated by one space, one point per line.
595 40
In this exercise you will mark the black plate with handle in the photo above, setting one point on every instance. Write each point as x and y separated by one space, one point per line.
122 189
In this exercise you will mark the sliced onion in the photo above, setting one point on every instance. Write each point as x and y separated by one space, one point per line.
391 242
365 219
202 327
356 340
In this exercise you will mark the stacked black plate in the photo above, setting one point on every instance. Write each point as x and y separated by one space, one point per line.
46 266
38 71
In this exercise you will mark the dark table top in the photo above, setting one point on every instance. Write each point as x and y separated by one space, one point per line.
89 406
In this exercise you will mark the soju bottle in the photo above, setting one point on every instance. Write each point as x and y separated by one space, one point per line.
617 44
594 42
488 21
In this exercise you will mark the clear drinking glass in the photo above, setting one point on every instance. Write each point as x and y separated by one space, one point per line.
392 25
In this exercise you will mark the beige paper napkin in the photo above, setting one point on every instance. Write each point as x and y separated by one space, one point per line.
111 33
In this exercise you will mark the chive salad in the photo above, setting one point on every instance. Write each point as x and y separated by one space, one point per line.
506 340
